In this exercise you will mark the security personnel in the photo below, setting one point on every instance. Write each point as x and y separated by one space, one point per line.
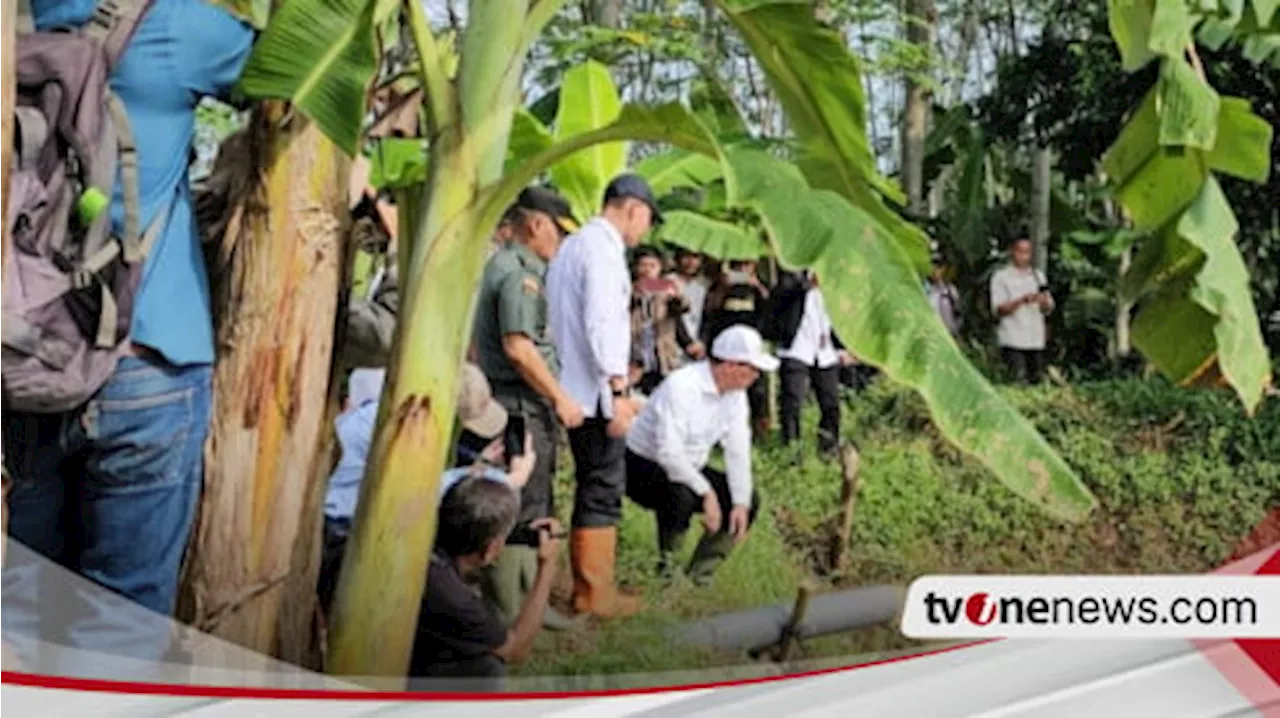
513 349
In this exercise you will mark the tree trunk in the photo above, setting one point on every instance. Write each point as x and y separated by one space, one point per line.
921 21
384 569
608 13
276 301
1041 201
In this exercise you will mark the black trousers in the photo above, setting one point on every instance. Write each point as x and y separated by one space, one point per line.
600 473
537 497
758 398
674 505
1026 365
335 544
796 377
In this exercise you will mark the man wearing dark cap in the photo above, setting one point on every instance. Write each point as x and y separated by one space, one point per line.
513 349
589 288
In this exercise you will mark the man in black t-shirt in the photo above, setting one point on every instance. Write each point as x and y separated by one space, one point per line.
459 635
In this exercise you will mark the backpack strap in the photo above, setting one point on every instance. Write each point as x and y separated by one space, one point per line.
113 23
26 18
109 317
127 162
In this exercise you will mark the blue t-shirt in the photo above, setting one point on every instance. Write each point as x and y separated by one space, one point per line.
183 50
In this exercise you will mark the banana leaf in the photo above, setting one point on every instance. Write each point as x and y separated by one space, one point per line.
879 310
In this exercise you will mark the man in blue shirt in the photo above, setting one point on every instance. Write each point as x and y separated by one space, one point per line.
110 490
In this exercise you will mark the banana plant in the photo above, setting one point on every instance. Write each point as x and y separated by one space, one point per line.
1196 319
831 209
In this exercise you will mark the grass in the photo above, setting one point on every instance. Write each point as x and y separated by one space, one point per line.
1181 478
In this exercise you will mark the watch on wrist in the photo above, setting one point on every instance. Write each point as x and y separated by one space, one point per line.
623 393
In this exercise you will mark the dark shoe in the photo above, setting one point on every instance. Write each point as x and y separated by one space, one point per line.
712 550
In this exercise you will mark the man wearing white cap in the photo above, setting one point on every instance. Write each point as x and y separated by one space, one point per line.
694 409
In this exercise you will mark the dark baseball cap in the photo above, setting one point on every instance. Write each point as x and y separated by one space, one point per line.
547 201
635 187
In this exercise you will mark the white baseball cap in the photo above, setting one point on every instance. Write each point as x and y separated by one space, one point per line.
741 343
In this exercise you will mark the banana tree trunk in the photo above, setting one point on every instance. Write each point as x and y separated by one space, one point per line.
384 568
275 303
921 20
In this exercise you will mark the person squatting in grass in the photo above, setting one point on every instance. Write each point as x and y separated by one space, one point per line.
694 409
459 635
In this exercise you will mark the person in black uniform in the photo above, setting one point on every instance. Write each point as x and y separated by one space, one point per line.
741 298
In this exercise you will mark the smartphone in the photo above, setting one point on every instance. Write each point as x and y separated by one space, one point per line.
513 437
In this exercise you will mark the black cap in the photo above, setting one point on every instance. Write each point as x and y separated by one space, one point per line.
633 186
548 201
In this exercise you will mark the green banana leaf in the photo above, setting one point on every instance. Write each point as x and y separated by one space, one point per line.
713 237
588 101
819 84
880 311
676 169
397 162
1197 321
528 137
321 56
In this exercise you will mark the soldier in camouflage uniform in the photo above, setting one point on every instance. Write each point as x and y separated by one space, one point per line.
513 347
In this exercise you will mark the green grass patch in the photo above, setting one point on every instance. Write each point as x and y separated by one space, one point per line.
1181 477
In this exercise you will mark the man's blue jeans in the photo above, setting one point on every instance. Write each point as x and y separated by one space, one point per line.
110 492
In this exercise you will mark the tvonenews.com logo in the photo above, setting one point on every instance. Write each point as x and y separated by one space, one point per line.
983 609
1093 606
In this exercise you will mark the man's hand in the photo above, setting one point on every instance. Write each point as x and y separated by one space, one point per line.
846 359
1045 301
492 454
548 542
738 523
711 517
569 412
624 412
696 350
519 468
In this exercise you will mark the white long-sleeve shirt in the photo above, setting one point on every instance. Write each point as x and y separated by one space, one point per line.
589 302
812 345
686 416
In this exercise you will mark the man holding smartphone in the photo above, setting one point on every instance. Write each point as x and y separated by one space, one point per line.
458 634
513 348
1020 298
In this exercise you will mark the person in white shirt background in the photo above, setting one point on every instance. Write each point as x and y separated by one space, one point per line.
589 298
694 286
1020 298
811 353
696 408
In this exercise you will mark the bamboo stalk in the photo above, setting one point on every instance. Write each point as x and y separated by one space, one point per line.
850 462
